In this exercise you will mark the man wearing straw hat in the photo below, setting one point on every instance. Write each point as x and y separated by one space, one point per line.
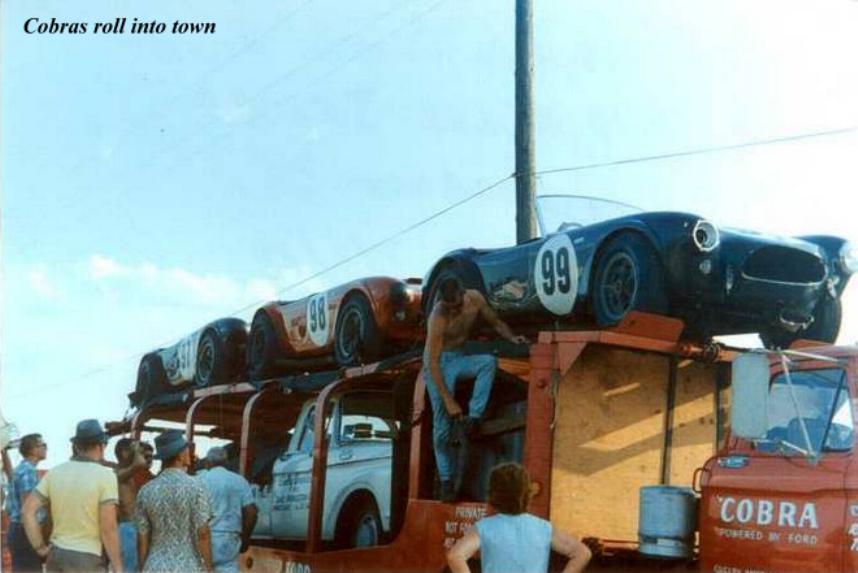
173 513
83 497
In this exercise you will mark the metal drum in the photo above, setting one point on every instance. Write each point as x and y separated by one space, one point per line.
667 521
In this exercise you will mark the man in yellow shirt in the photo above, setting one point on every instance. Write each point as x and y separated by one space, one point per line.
83 497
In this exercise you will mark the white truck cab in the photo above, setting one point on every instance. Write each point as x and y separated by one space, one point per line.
356 511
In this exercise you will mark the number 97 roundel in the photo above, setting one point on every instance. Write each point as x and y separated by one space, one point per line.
555 274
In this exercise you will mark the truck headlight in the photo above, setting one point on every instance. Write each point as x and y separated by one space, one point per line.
705 235
849 257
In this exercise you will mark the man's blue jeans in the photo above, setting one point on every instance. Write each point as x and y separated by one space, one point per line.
456 365
225 549
128 546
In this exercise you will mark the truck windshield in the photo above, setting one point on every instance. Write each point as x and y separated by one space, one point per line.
367 416
822 398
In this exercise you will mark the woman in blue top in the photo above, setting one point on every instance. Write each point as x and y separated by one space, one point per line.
513 541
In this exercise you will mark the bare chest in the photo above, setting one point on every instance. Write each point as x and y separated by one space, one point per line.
457 329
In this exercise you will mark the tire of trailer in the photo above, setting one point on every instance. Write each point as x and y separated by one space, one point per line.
262 348
469 278
358 524
628 276
211 367
151 378
357 339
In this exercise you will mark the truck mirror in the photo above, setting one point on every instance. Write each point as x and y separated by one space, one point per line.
750 396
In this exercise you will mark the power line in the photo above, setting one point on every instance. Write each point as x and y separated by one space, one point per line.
700 151
459 203
324 271
218 140
321 54
197 84
208 145
368 48
388 239
318 55
354 256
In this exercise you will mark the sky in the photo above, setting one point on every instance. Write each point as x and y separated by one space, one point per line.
154 182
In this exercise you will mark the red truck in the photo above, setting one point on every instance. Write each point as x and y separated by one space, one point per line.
627 436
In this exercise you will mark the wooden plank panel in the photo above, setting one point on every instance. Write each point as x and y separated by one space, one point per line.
694 421
608 440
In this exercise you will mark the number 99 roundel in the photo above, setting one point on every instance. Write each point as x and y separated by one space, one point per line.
555 274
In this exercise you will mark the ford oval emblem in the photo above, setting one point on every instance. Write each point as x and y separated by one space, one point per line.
733 462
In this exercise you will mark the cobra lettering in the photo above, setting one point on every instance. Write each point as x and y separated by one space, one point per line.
292 567
766 512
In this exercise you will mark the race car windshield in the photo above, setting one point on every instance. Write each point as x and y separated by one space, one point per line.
561 212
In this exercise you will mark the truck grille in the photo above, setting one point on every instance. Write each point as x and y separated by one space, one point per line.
784 264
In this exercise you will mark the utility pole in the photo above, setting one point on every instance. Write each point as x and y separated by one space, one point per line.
525 163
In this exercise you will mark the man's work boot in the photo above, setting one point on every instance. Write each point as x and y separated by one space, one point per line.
472 428
448 491
458 432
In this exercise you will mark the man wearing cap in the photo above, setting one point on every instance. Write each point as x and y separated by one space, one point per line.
233 508
173 513
33 450
83 496
130 461
449 325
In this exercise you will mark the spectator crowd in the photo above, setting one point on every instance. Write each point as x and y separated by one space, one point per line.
87 513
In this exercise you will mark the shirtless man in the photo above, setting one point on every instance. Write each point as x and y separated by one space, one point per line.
450 324
131 460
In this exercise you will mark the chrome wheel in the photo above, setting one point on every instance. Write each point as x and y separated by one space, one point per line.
356 337
206 360
619 286
351 335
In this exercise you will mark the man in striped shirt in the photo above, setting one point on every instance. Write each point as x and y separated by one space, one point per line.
24 479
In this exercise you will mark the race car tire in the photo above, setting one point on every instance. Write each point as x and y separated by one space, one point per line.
629 276
151 379
357 339
824 328
212 363
359 524
468 277
262 348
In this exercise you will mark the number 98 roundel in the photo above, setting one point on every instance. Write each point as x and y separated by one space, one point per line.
317 319
555 274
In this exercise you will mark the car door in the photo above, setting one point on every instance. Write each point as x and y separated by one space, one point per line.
508 279
536 281
360 454
292 481
263 498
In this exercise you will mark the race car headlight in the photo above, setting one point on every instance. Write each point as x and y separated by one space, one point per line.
705 235
399 296
849 257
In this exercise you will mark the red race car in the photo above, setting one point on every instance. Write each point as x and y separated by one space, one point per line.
356 323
